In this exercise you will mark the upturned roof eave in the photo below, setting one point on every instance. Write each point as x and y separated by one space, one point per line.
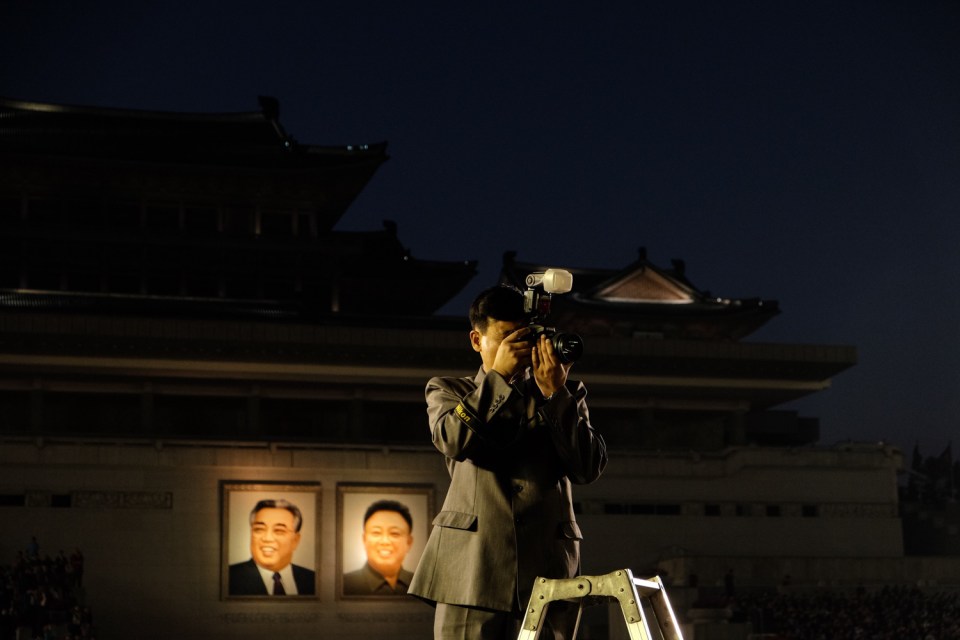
253 138
702 306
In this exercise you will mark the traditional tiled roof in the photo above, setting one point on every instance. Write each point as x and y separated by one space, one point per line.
231 144
158 213
644 299
242 139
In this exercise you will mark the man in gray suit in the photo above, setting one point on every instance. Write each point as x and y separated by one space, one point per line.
515 437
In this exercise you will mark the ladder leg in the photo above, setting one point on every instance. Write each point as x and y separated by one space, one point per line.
576 623
535 620
666 620
544 592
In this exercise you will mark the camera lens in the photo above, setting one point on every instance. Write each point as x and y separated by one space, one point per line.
569 346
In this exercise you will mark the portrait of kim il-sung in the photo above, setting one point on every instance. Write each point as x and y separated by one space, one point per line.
271 541
382 530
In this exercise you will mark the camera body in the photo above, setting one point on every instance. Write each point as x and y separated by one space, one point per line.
569 346
536 301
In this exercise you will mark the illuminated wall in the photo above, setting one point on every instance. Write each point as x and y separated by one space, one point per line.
149 521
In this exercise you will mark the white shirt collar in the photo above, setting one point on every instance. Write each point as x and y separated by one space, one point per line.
286 577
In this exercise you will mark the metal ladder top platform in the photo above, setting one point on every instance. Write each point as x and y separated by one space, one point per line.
619 585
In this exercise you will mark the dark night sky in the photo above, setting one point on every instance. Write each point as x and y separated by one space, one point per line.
807 152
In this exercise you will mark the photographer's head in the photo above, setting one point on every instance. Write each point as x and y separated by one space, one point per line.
497 303
495 314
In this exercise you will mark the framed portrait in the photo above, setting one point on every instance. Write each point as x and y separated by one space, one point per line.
270 540
381 533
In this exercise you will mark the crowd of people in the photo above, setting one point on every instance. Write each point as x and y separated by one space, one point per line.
890 612
41 597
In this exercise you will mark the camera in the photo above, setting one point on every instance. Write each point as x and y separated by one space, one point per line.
536 301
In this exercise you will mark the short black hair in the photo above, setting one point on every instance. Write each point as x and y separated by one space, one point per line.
279 503
389 505
500 303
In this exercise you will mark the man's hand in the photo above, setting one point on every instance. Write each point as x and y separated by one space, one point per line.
549 373
513 354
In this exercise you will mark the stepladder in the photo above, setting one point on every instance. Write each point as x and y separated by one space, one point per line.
646 608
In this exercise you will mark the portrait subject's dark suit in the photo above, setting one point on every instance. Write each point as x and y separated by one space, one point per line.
508 515
245 580
365 581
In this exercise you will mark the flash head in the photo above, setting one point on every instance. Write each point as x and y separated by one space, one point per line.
553 280
568 346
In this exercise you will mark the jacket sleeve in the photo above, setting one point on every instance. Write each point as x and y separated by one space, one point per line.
467 420
581 449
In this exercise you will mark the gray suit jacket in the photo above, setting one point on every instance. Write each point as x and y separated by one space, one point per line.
508 515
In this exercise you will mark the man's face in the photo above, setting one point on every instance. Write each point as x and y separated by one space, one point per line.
387 539
487 343
273 538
